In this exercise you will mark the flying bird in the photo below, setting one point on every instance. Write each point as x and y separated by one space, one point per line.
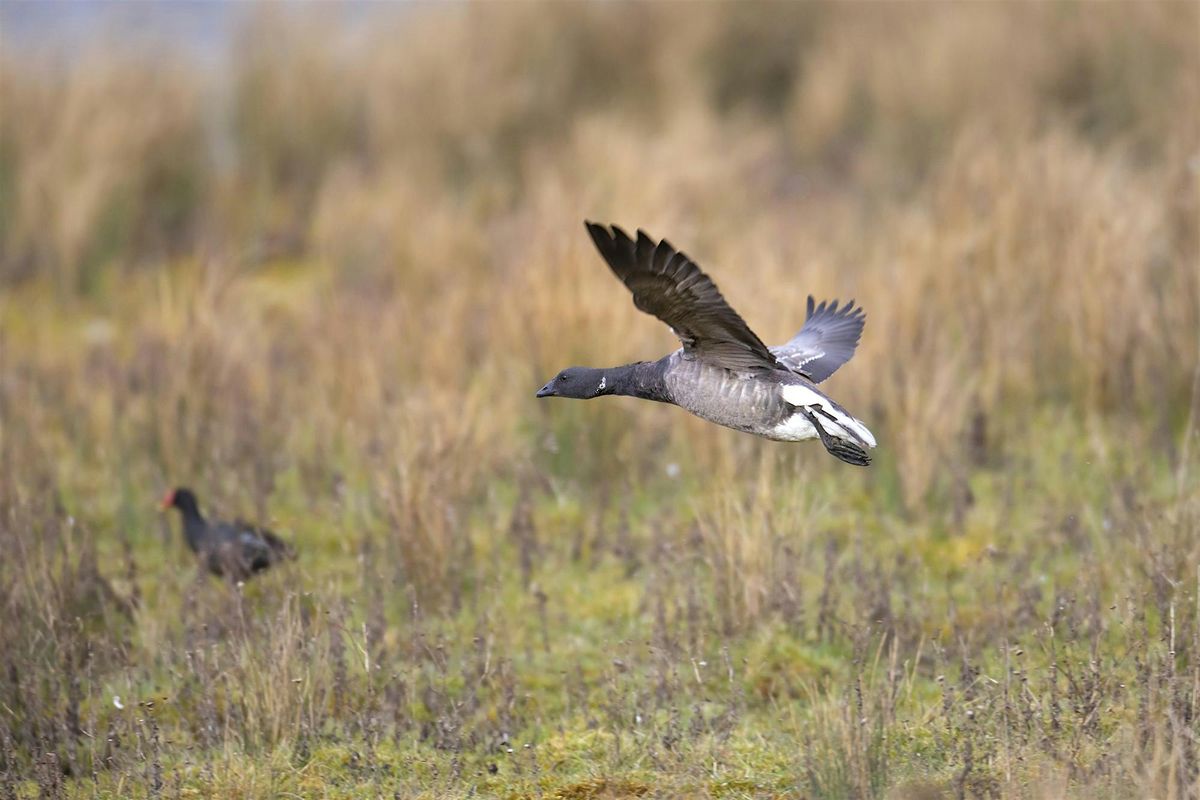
724 373
234 550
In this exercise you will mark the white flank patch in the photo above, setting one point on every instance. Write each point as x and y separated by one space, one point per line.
842 425
800 395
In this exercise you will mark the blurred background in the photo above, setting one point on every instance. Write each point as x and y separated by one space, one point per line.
1016 210
314 259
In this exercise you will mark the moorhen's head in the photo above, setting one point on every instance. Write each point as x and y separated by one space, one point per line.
181 498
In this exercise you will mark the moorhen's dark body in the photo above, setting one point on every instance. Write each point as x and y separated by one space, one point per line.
234 550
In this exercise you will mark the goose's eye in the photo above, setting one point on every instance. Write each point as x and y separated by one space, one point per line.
562 378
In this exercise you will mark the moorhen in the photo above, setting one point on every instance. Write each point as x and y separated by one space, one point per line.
234 550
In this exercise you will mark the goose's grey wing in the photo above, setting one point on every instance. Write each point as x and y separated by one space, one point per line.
827 340
667 284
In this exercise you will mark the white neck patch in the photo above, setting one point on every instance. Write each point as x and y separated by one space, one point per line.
603 383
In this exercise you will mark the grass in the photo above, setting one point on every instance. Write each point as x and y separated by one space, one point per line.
279 284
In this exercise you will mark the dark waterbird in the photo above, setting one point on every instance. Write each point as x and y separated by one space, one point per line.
724 373
234 550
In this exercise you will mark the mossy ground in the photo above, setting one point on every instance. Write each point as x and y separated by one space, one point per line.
833 644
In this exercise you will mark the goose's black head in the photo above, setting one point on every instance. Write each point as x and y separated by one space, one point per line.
580 383
183 499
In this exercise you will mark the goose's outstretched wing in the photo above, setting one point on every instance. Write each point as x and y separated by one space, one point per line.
827 340
667 284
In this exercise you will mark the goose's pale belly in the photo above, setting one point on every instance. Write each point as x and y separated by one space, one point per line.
765 408
717 395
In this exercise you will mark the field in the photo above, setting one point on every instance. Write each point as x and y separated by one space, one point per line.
320 280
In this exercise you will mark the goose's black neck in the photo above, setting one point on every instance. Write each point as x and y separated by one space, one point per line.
643 379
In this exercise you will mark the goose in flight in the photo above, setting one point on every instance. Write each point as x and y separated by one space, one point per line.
724 373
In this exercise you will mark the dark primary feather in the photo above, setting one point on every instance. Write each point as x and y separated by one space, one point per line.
667 284
827 340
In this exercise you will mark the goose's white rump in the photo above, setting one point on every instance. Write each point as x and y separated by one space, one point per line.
833 418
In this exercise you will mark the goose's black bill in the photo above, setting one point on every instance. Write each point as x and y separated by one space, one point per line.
546 391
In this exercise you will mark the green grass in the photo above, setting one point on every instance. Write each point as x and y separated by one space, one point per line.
620 646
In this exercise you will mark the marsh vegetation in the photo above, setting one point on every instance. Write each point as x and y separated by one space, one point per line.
321 282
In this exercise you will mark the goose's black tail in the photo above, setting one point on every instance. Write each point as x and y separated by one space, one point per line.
843 449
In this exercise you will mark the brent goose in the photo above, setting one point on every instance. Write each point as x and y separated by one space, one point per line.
235 550
724 373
